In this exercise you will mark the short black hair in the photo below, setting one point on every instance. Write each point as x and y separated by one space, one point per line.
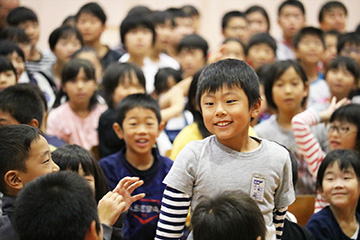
329 6
345 158
15 145
229 15
14 34
193 41
350 65
23 103
278 69
229 216
70 157
64 32
8 47
117 73
65 208
294 3
135 21
352 38
229 72
136 101
308 31
20 15
139 10
161 79
261 38
6 65
159 17
94 9
190 10
261 10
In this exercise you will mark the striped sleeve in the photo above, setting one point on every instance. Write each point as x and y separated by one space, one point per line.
306 141
173 213
278 219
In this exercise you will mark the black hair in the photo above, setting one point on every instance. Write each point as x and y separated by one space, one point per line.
348 63
65 208
229 15
120 73
23 102
136 101
277 70
135 21
193 41
69 21
6 65
349 113
294 3
7 47
139 10
190 10
229 72
329 6
94 9
351 38
20 15
228 216
14 34
85 49
69 72
331 32
261 10
70 157
161 79
305 32
346 159
15 145
159 17
234 39
261 38
64 32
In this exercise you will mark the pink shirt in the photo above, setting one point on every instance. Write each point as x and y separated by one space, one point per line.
64 123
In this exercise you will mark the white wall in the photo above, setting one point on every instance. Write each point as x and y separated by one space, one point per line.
52 12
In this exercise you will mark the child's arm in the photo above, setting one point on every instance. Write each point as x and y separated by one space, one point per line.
278 219
173 213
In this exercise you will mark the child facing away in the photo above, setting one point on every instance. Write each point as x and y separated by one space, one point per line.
138 123
338 181
228 97
76 120
7 73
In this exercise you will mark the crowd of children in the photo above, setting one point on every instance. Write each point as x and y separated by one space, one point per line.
176 141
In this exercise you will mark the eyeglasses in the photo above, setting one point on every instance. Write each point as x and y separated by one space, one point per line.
339 129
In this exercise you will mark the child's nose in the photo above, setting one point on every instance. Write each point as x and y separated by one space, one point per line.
55 167
220 111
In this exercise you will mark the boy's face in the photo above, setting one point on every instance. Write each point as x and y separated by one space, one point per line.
65 47
7 79
260 54
341 188
351 50
233 49
330 52
139 130
309 50
340 82
291 20
257 23
183 27
90 27
139 41
32 29
226 114
6 119
191 60
163 35
237 27
38 163
334 19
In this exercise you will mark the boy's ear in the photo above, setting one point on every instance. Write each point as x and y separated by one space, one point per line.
161 126
34 123
306 89
118 130
91 233
13 181
255 109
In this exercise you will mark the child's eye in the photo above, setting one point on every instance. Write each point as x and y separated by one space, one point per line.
46 161
209 103
230 101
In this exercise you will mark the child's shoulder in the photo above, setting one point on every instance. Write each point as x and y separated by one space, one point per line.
273 149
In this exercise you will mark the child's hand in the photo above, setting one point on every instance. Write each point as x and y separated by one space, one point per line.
216 55
326 114
110 207
125 188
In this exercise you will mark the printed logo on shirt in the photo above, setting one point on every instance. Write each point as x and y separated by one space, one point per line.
145 210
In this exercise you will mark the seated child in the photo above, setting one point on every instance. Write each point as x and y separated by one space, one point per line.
234 24
25 155
138 123
258 18
348 45
18 36
228 216
332 16
14 53
261 50
228 97
338 181
7 74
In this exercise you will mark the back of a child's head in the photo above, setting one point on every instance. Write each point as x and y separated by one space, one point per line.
132 22
262 38
72 157
230 73
65 208
193 41
22 103
94 9
346 159
162 79
20 15
125 74
228 216
276 72
293 3
14 34
308 31
229 15
64 32
8 47
347 41
346 63
15 147
137 101
328 6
